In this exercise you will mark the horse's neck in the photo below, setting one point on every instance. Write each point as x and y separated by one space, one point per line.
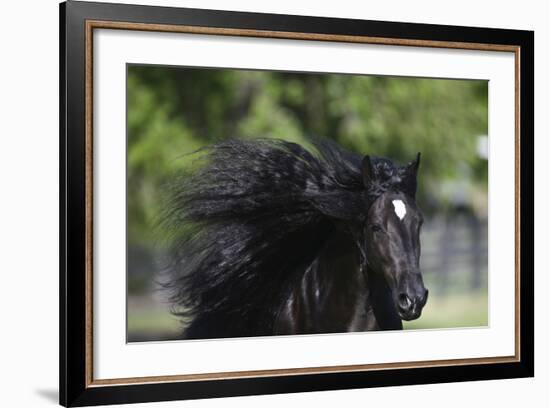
334 296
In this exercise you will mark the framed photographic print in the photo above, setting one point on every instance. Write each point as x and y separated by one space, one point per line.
256 203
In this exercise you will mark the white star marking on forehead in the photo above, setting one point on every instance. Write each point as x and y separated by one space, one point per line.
400 209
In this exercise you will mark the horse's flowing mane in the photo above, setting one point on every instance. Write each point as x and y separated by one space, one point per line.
249 221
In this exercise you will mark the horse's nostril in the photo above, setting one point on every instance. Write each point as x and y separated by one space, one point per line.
404 301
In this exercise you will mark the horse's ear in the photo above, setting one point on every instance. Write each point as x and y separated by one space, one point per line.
412 167
368 171
409 178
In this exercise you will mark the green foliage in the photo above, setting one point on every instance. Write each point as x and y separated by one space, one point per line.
174 111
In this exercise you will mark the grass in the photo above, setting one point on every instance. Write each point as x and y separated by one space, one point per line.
153 320
149 321
457 310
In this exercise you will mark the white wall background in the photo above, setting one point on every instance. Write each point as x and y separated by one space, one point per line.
29 201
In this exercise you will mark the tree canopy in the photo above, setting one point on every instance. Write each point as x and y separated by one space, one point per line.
174 111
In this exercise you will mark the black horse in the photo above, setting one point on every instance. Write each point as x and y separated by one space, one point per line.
270 238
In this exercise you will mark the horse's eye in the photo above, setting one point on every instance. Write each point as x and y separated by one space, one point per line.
376 228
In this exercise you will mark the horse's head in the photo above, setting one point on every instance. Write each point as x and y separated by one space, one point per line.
391 233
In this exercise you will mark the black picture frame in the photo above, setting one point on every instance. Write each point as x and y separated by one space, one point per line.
76 387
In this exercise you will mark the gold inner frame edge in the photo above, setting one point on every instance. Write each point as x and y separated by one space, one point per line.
93 24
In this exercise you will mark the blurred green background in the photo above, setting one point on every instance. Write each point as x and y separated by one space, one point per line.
173 111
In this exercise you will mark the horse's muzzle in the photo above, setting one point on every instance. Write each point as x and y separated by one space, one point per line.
409 305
